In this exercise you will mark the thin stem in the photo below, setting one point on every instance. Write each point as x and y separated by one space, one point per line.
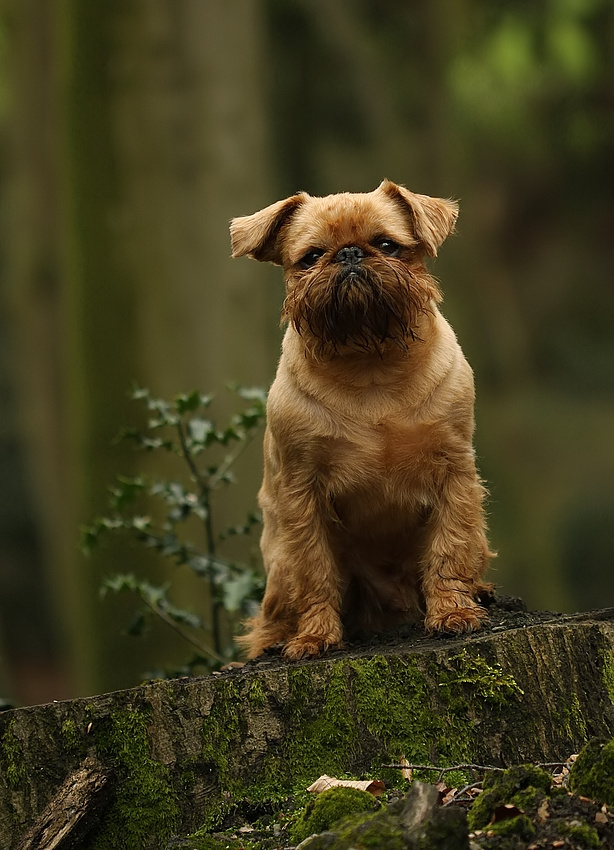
189 459
230 459
185 635
442 770
205 500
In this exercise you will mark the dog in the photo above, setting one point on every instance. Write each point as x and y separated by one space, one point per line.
372 506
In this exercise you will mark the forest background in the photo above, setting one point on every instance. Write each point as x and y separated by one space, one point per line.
132 131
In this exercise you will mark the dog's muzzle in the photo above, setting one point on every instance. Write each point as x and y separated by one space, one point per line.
351 256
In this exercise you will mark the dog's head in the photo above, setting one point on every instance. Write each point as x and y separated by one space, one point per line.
353 263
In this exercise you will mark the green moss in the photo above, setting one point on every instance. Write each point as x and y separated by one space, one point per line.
487 682
365 831
523 786
72 740
144 811
394 702
12 757
256 695
592 774
341 715
328 808
323 740
520 826
578 717
582 834
373 832
221 731
383 830
608 673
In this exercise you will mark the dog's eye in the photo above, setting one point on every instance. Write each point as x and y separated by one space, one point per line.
310 258
388 246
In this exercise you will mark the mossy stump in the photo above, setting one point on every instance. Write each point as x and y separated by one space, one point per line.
179 753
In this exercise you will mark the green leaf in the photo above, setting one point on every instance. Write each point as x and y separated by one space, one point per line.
237 589
119 582
139 393
201 430
126 491
181 615
250 393
188 403
253 518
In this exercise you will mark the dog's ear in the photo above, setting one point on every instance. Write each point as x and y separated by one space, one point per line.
258 235
433 219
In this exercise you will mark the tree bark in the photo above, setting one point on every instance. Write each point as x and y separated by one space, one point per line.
182 752
70 815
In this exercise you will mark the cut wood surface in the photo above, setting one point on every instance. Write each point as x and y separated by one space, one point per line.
131 769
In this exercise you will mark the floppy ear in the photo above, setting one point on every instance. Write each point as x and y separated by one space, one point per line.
433 219
258 235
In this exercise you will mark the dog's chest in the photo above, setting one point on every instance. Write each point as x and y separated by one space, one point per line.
391 461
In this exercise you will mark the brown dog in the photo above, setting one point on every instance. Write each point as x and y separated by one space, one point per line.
371 502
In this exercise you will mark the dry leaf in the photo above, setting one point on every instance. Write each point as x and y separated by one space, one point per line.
600 817
543 812
372 786
445 793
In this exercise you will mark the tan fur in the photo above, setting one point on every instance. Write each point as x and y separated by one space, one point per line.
371 502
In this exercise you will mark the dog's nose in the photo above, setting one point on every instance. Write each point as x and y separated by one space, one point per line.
351 254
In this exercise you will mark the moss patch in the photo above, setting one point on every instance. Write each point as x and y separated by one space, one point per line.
144 811
343 716
582 834
11 750
592 774
524 786
608 673
329 807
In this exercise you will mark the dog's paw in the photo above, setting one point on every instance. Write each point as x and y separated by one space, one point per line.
457 620
307 646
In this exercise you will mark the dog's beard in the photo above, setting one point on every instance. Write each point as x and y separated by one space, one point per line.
364 308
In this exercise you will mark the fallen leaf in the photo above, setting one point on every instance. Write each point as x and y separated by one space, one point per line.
543 812
601 817
448 794
372 786
559 843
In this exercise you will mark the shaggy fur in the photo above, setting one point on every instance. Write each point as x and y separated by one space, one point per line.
373 510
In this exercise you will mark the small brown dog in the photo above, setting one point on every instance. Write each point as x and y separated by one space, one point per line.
371 502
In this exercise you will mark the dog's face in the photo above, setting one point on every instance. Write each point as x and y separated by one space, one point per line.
353 263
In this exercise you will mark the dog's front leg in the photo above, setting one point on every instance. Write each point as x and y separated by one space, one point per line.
456 555
302 602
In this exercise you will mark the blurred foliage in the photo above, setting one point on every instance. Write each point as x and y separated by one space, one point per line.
183 428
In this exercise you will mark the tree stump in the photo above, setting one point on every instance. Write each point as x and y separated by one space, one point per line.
131 769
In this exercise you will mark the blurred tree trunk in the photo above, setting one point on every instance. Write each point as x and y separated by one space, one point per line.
138 131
